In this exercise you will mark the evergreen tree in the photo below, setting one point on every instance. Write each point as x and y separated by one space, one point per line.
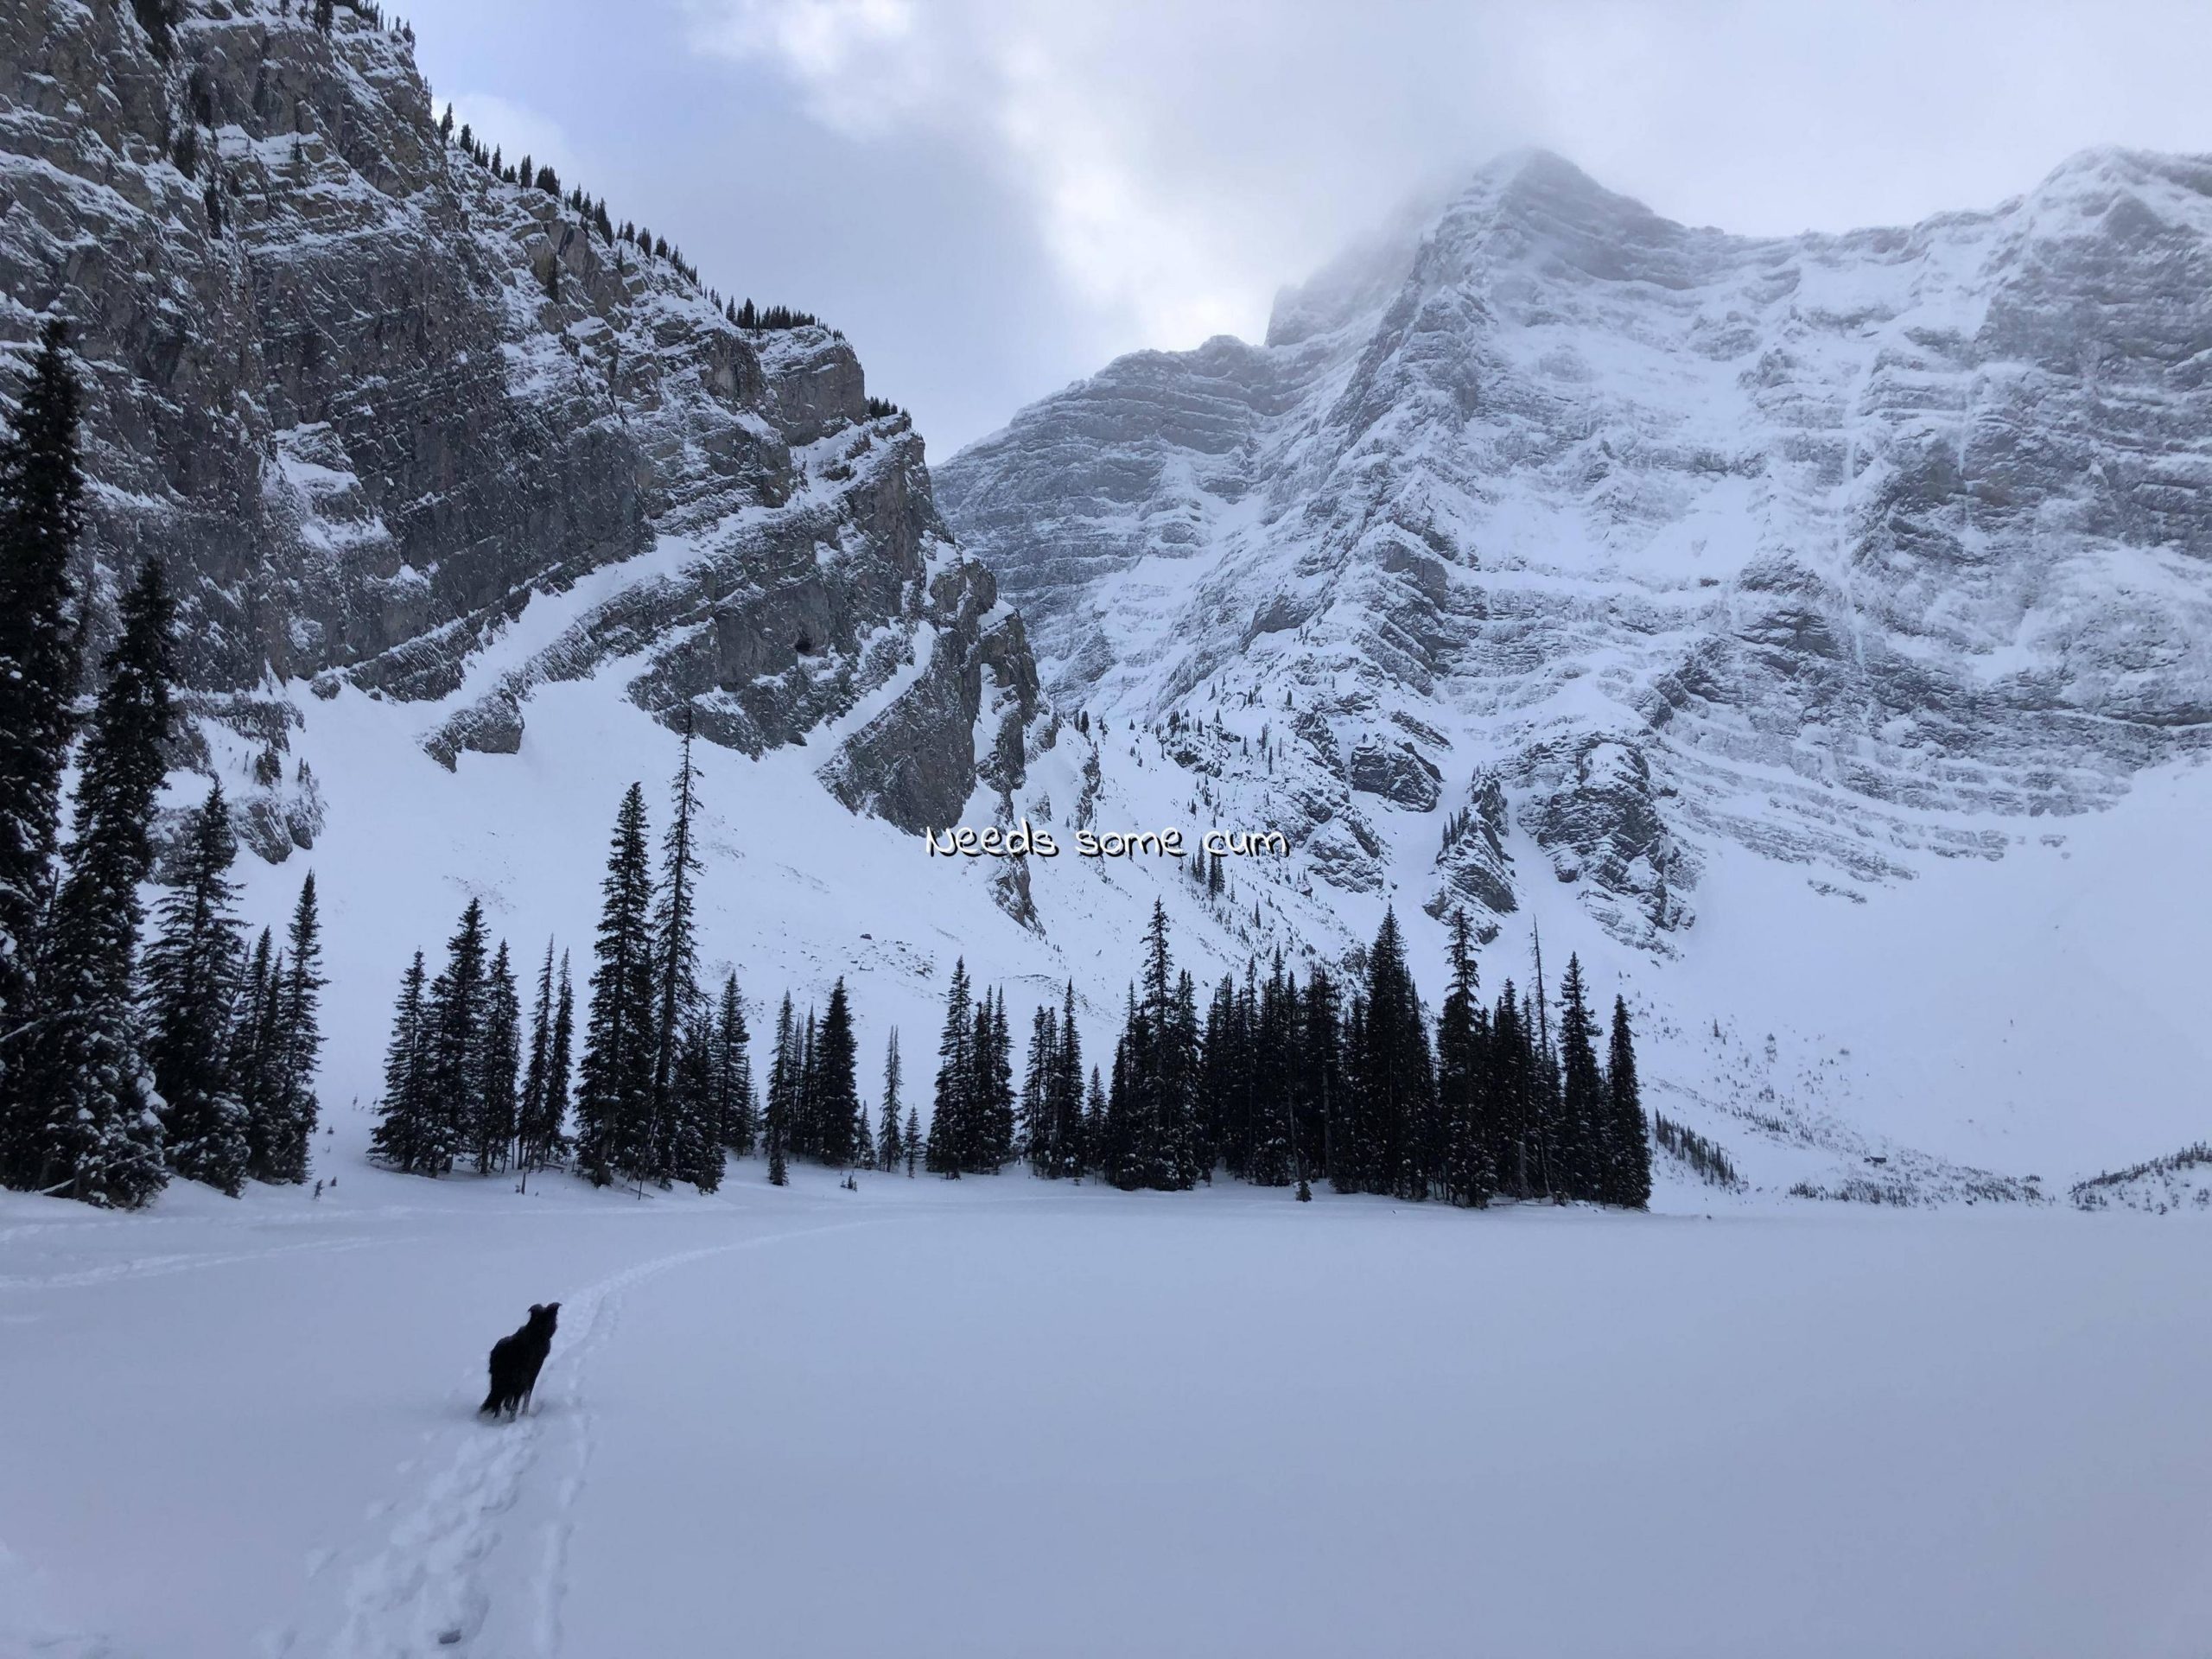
1065 1097
1321 1075
192 974
733 1066
89 1099
1461 1063
42 515
1035 1134
784 1085
675 964
402 1134
836 1094
1393 1088
1628 1147
890 1138
1583 1104
284 1107
533 1134
950 1133
493 1122
696 1150
614 1100
910 1139
253 1028
457 1013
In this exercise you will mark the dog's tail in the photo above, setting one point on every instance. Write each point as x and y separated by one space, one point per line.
491 1405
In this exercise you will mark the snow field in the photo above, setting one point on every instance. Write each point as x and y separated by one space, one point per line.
1001 1417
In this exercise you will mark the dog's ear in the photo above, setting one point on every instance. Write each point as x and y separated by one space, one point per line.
552 1307
536 1308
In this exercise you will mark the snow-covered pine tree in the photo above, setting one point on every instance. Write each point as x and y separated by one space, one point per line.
1396 1085
538 1068
1034 1135
284 1140
252 1020
696 1145
1065 1093
92 1132
733 1060
950 1109
1583 1107
806 1125
192 976
1321 1076
910 1139
401 1134
1461 1063
42 493
783 1081
456 1012
614 1099
992 1122
837 1090
1512 1064
676 962
1627 1140
492 1125
890 1136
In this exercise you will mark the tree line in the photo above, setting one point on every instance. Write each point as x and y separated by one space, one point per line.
1283 1085
1278 1083
118 1067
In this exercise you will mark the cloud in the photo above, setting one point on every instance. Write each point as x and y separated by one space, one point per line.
1180 162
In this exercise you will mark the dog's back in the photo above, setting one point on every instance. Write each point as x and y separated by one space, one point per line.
517 1359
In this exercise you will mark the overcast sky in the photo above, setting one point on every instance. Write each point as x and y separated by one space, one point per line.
994 197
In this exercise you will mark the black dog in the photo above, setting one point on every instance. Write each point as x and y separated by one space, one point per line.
516 1360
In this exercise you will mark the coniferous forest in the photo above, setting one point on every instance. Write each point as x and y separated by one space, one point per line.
1277 1084
125 1056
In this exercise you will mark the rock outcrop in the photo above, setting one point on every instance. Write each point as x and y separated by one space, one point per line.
373 403
1839 546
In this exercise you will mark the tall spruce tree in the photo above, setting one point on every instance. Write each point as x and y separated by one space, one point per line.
784 1066
1462 1064
733 1068
89 1098
837 1090
1627 1138
253 1028
42 495
950 1134
696 1144
615 1095
403 1136
890 1136
1393 1083
284 1138
531 1114
457 1012
192 977
676 963
498 1102
1583 1105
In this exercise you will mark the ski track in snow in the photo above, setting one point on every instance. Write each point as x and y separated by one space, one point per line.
424 1592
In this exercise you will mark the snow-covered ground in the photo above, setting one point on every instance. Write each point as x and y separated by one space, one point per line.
996 1417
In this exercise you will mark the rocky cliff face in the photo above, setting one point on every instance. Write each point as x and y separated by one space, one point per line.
371 402
1548 516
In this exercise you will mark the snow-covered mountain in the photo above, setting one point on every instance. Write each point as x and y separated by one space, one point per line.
375 402
1844 548
1701 600
1548 549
